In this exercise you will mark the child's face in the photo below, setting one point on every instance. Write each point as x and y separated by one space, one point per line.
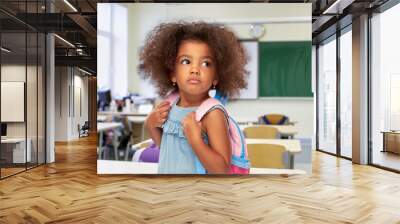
195 68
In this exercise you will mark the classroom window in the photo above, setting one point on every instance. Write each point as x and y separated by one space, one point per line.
327 96
385 89
113 49
346 93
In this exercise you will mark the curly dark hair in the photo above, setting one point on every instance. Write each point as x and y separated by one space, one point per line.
159 54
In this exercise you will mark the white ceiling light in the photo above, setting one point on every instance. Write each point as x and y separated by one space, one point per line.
70 5
65 41
5 50
84 71
338 6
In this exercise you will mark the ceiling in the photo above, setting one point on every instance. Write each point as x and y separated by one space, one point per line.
76 22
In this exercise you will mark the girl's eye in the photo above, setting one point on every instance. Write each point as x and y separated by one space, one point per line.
185 61
206 64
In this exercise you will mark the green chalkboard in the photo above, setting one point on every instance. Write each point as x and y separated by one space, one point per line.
285 69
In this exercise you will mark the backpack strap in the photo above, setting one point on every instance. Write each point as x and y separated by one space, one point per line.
211 104
172 97
207 106
242 139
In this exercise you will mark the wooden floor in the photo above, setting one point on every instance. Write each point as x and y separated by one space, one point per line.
70 191
10 171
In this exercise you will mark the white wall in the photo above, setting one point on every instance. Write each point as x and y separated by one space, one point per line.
33 126
69 85
61 103
80 103
12 73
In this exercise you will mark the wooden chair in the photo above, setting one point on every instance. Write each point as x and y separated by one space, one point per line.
261 131
274 119
266 155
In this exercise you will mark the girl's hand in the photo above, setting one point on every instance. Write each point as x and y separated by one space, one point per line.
158 116
192 128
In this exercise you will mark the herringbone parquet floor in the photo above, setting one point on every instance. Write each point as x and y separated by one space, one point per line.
70 191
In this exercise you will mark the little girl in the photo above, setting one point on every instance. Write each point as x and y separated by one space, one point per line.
191 59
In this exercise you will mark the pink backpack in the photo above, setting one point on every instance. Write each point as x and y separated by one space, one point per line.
239 162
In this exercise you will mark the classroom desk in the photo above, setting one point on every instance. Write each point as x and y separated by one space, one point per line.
124 167
101 118
116 113
284 130
138 120
291 145
104 126
101 128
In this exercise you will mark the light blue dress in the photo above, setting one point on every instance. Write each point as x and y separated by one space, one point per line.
176 154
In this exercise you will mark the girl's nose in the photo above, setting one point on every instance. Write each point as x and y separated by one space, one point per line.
194 70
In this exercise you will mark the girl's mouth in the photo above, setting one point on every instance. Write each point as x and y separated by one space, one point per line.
194 81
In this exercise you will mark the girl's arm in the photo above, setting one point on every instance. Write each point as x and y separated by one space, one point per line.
155 119
155 134
215 157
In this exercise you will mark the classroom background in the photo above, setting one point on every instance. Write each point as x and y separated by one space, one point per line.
277 38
